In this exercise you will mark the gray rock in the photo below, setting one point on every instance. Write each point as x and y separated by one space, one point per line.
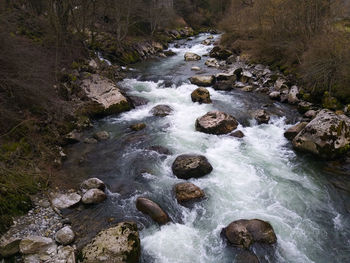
65 254
101 135
93 196
212 62
204 81
191 166
275 95
292 96
44 247
195 68
65 236
216 122
189 56
310 114
262 117
161 110
92 183
152 209
280 84
62 201
294 130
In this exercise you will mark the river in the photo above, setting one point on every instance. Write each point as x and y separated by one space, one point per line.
259 176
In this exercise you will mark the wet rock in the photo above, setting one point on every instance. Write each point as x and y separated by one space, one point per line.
162 55
220 53
243 233
169 53
304 106
90 141
206 42
161 110
223 85
117 244
152 209
262 117
93 196
191 166
43 246
138 126
160 149
204 81
201 95
237 134
216 122
91 184
212 62
247 88
65 236
73 137
101 135
310 114
188 192
138 101
195 68
294 130
9 247
327 135
189 56
105 97
275 95
62 201
293 95
246 256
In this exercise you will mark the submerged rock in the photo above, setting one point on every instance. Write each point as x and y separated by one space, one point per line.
138 101
65 235
160 149
117 244
216 122
189 56
262 117
204 81
138 126
191 166
161 110
243 233
92 183
152 209
220 53
101 135
94 196
169 53
186 192
327 135
201 95
62 201
237 134
294 130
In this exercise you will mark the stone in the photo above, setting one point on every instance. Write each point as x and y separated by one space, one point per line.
262 117
138 101
169 53
245 256
65 254
92 183
224 85
294 130
161 110
37 245
201 95
62 201
90 141
73 137
243 233
188 166
93 64
93 196
65 236
231 59
220 53
9 247
195 68
206 42
280 84
153 210
104 96
216 122
275 95
293 95
101 135
138 126
186 192
237 134
160 149
246 76
247 88
212 62
189 56
304 106
327 135
204 81
226 76
120 244
310 114
210 37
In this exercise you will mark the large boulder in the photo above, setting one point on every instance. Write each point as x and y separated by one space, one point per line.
327 135
201 95
216 122
9 247
152 209
294 130
185 192
191 166
189 56
161 110
220 53
93 196
62 201
243 233
92 183
204 81
262 117
104 96
65 235
117 244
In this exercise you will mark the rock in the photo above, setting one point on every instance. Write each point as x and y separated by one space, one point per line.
212 62
152 209
91 184
223 85
210 37
201 95
261 116
189 56
162 55
160 149
216 122
65 236
101 136
93 196
73 137
9 247
226 76
37 245
90 141
327 135
195 68
93 64
246 76
117 244
204 81
243 233
280 84
275 95
188 192
62 201
161 110
206 42
237 134
310 114
138 101
169 53
138 126
304 106
65 254
294 130
293 95
220 53
247 88
104 95
231 59
191 166
330 102
246 256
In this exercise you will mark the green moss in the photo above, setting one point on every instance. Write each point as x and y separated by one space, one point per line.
330 102
131 57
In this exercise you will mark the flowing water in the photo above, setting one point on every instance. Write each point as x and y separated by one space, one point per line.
259 176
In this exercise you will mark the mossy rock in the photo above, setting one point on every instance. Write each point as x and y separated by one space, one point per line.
330 102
